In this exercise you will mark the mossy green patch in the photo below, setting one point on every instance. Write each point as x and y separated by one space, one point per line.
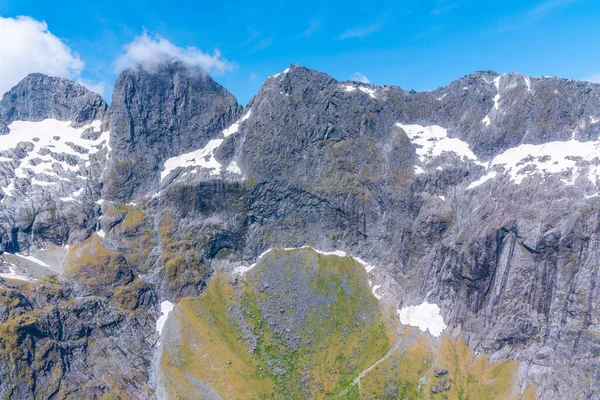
226 342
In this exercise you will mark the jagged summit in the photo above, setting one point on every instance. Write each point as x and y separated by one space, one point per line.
38 97
159 113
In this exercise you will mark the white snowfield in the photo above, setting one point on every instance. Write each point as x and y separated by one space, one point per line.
425 316
570 158
204 158
433 141
165 308
236 126
45 141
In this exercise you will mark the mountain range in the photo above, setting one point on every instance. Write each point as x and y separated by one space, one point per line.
329 240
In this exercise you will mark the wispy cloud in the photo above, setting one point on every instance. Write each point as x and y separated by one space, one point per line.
313 26
256 41
357 76
532 15
363 30
594 78
444 6
430 31
94 86
548 6
262 44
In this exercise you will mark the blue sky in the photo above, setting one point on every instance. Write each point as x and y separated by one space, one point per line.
415 45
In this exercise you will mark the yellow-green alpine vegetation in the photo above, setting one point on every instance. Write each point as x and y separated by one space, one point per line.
422 367
96 267
299 325
302 325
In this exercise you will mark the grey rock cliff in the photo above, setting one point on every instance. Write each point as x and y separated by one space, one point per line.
38 97
450 192
160 113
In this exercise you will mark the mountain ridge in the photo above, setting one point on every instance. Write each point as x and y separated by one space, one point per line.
482 201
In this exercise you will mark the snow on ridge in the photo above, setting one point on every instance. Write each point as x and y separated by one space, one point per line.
482 180
425 316
165 308
241 270
366 90
552 158
432 141
558 157
236 126
285 71
203 158
369 91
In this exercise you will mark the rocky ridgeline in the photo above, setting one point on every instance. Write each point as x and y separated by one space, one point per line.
480 197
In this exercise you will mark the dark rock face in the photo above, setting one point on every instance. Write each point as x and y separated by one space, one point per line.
157 114
418 184
38 97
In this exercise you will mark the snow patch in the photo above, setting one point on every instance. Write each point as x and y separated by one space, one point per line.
101 233
549 158
482 180
432 141
443 198
46 141
369 91
203 158
234 168
236 126
165 308
349 88
374 290
594 120
497 102
528 83
12 274
487 120
33 260
425 316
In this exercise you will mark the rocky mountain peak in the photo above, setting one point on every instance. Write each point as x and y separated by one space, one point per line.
157 112
38 97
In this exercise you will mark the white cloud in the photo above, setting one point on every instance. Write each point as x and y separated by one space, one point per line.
28 46
362 31
595 78
148 51
357 76
313 26
96 87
